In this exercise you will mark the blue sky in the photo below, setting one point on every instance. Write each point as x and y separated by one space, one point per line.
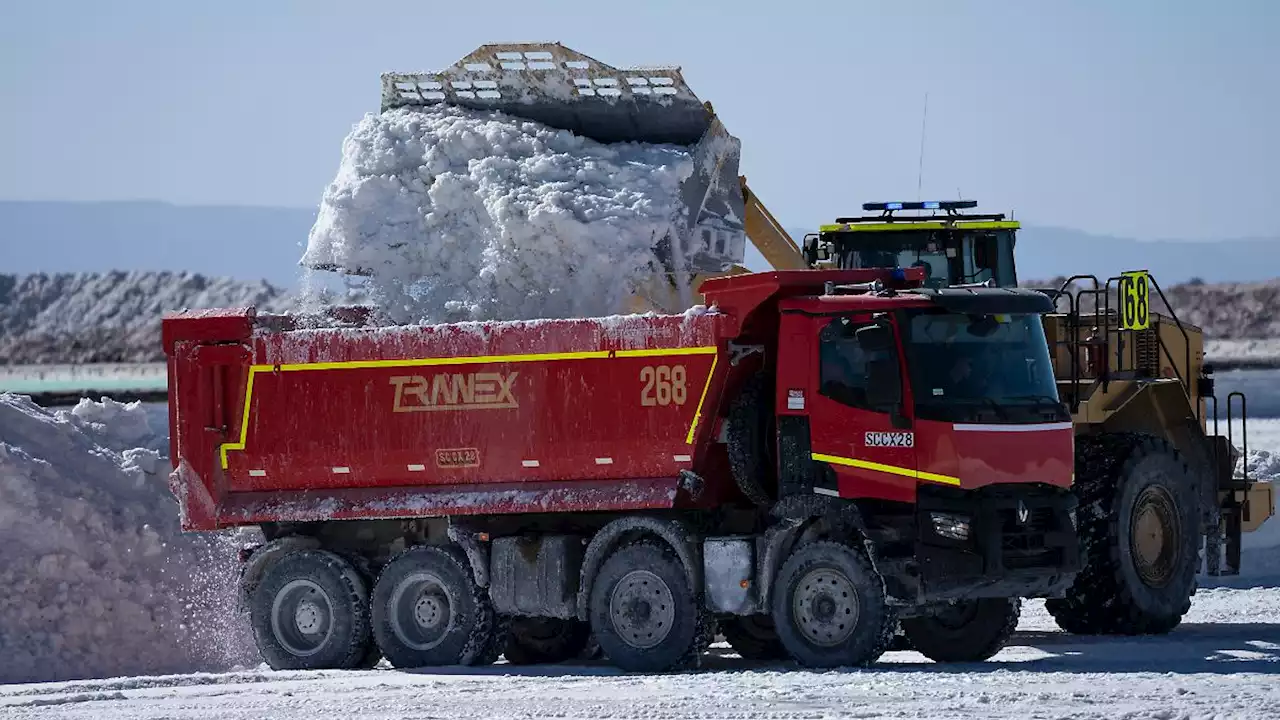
1139 118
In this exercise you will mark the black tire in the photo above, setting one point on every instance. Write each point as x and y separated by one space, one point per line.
965 631
1131 584
310 612
753 637
428 611
644 613
372 656
750 435
821 584
542 641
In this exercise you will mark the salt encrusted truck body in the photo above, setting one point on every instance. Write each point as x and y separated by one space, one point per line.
792 464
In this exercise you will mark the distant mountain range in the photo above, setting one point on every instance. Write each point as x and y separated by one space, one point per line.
256 243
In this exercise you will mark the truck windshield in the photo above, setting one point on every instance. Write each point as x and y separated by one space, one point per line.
981 368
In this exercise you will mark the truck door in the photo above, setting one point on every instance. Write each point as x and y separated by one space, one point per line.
860 421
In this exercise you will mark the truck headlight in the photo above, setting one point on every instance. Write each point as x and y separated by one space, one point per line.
952 527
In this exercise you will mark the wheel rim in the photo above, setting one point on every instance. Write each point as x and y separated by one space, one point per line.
421 611
825 607
1153 536
642 609
302 617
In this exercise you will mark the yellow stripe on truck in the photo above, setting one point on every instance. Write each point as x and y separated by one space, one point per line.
891 469
467 360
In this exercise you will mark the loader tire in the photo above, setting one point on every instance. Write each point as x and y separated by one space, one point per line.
311 612
1138 522
964 631
829 607
643 611
754 637
428 611
545 640
751 430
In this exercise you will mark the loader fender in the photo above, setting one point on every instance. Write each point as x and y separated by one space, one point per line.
625 529
269 554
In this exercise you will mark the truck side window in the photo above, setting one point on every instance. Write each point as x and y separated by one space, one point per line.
843 375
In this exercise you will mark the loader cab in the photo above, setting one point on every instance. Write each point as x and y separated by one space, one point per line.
952 248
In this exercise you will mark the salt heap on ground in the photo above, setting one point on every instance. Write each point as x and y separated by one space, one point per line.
468 215
98 579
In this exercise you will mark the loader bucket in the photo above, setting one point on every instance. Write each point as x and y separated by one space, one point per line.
559 87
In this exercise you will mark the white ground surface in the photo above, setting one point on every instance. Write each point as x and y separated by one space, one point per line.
1224 662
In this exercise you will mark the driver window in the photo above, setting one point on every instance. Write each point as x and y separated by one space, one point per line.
843 375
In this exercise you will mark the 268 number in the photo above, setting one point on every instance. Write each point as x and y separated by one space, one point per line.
663 385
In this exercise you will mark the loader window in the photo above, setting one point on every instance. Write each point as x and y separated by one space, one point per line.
843 375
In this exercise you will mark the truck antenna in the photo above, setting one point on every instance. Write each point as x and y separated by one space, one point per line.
920 168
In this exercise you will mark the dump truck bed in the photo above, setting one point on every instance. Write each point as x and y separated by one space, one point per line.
271 423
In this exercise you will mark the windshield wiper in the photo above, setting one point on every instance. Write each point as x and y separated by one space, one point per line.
1037 398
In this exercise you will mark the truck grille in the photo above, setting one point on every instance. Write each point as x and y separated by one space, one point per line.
1024 544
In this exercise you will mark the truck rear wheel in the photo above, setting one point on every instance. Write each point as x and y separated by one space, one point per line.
643 610
427 610
750 431
1139 527
753 637
545 640
311 612
965 630
829 607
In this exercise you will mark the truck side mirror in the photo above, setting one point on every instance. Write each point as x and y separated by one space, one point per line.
875 339
884 385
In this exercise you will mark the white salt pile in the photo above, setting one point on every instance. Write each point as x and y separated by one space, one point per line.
467 215
98 579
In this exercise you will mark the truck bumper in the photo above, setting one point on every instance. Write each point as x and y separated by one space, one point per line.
998 541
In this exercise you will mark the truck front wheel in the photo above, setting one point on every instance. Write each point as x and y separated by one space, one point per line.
643 610
427 610
829 607
311 612
965 630
545 640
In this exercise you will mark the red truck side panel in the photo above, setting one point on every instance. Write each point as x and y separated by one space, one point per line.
458 419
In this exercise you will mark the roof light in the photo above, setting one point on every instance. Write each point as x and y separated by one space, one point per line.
924 205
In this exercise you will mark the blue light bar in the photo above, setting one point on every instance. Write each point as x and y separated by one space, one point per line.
925 205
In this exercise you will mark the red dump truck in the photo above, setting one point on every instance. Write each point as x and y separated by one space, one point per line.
816 460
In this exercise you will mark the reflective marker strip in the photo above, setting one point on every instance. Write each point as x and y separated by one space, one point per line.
682 458
417 468
257 473
530 463
891 469
827 491
341 470
604 461
1038 427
